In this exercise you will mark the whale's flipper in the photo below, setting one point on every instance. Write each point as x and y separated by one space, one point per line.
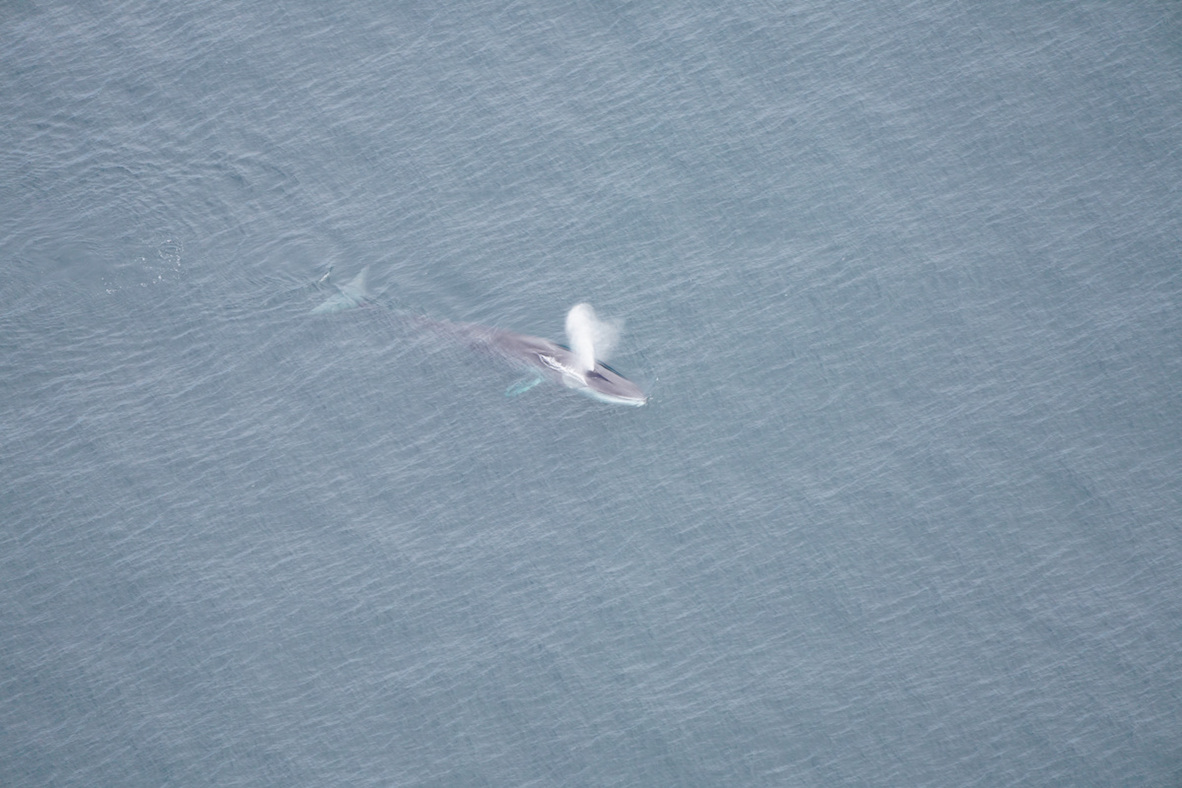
348 296
523 385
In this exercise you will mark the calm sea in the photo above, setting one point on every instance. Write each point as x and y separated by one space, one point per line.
902 280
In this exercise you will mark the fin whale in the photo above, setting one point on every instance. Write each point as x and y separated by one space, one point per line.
544 359
555 363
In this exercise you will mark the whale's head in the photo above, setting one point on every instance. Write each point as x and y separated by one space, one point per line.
590 340
606 385
602 383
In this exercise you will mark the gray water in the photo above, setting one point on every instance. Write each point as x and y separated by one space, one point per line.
902 280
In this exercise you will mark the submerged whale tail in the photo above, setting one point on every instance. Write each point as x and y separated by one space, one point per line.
348 296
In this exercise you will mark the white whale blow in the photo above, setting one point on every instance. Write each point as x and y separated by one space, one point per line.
591 339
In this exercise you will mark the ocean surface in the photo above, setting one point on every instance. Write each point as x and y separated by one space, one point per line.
903 283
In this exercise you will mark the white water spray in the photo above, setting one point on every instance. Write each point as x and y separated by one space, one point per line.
590 338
